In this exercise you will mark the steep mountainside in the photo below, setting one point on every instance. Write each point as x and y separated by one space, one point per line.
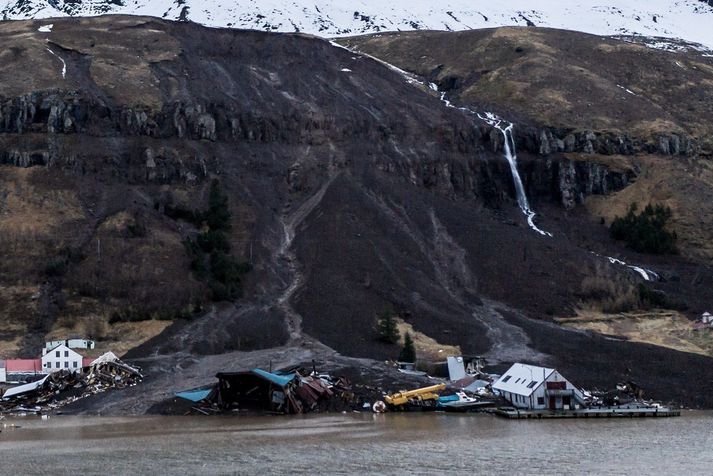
352 190
575 93
685 19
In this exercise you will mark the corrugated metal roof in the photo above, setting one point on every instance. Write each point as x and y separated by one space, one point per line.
28 387
520 377
23 365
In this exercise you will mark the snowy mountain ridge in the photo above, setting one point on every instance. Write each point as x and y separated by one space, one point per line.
690 20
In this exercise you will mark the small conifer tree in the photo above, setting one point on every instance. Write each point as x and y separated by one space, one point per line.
386 326
408 353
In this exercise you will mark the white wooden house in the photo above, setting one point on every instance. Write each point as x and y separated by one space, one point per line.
60 358
537 388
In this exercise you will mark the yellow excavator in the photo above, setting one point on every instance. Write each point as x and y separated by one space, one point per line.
421 397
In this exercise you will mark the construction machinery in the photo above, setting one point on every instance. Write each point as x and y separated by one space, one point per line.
426 397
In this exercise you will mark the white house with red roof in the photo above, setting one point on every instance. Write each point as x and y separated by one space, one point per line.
56 355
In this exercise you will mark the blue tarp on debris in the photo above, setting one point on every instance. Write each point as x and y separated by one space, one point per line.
281 380
194 395
448 398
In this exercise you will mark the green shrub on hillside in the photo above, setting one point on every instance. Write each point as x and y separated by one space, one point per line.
645 232
59 265
653 298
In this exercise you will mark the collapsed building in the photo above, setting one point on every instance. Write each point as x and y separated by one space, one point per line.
291 391
63 387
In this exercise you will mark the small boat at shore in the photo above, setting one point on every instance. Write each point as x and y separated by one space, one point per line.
461 402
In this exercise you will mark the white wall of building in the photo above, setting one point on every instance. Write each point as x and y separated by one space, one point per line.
516 389
61 358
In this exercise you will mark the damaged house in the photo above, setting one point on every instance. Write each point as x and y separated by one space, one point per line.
260 391
537 388
256 390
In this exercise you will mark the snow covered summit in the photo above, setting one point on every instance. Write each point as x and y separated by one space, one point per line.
690 20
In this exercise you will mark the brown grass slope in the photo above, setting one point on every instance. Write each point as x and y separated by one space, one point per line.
561 78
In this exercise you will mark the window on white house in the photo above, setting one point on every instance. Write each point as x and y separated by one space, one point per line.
66 353
540 400
507 377
57 365
75 364
532 384
66 365
57 354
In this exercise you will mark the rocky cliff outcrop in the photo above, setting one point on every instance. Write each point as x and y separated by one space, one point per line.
546 141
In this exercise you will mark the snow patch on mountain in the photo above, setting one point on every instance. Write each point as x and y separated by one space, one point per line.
690 20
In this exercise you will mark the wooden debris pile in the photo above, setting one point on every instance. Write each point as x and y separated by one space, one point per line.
63 387
291 391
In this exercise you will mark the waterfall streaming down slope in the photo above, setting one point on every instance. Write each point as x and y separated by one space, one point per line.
511 156
491 119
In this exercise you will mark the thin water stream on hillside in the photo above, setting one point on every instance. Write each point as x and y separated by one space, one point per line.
511 156
509 151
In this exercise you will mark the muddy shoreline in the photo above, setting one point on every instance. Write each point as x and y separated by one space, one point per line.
167 375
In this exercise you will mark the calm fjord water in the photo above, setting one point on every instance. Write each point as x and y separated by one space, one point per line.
357 444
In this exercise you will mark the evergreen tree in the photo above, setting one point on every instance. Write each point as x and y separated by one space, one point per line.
218 215
408 353
386 326
210 251
645 232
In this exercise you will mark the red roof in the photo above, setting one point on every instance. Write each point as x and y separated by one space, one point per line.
87 361
23 365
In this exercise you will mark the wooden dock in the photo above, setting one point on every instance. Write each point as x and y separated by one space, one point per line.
609 412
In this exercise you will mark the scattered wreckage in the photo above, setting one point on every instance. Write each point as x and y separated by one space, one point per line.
296 390
291 391
63 387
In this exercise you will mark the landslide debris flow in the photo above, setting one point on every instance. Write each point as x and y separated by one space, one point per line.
351 192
